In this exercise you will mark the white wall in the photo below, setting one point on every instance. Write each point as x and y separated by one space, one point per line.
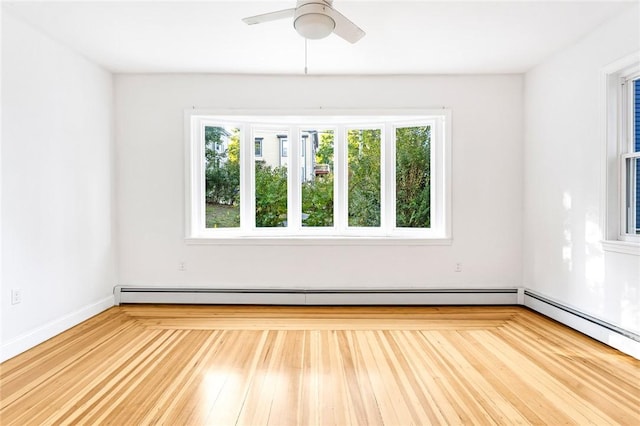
487 184
564 149
57 172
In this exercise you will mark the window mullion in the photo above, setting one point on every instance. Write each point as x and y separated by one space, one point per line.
436 166
294 197
383 186
198 178
247 180
340 179
388 181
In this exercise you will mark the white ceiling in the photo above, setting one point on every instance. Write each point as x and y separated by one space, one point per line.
403 37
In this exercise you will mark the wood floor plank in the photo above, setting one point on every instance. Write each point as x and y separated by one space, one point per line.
256 365
586 380
512 387
540 371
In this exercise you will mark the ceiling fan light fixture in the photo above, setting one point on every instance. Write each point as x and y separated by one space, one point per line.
314 19
314 26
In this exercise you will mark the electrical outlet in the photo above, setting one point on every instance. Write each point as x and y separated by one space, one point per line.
458 267
16 296
182 266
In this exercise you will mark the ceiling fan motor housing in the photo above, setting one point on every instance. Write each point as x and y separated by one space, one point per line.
312 19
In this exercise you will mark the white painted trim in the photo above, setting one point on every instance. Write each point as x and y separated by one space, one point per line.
218 298
611 129
447 177
320 241
624 247
189 186
584 323
301 296
38 335
439 120
427 298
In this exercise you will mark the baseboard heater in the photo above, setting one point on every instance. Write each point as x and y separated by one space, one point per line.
625 340
486 296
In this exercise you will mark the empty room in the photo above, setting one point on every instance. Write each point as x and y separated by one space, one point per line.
320 212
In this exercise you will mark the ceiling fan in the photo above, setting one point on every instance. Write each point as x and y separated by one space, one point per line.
314 19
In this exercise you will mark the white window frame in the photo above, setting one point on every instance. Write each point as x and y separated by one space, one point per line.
628 216
439 233
618 148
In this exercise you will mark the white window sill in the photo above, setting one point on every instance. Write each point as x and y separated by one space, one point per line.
625 247
319 241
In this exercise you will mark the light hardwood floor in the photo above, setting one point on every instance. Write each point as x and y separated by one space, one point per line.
227 365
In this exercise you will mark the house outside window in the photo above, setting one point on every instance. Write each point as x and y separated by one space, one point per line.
284 145
258 147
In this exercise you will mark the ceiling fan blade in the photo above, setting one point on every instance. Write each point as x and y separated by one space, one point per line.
271 16
345 28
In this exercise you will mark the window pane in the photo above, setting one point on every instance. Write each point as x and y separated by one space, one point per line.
636 115
271 179
317 177
413 184
635 184
632 196
222 177
258 147
364 177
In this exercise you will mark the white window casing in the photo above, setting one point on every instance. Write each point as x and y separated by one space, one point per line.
618 149
248 121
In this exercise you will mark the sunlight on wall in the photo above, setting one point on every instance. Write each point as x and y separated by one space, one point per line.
566 201
566 250
568 244
594 258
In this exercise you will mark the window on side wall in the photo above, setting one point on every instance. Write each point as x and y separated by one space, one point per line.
370 175
630 159
622 226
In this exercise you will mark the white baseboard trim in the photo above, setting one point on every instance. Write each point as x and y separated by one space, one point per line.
495 296
34 337
421 297
624 340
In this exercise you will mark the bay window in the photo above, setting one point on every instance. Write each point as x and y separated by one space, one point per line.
371 175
